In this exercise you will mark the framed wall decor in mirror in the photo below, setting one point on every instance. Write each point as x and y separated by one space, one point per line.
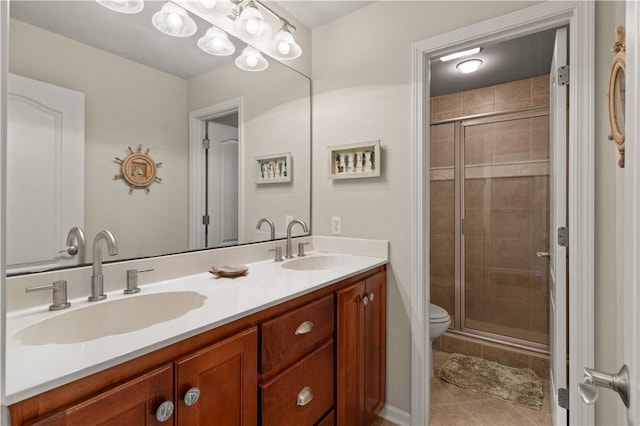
617 93
135 85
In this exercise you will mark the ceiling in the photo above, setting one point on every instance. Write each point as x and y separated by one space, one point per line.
133 37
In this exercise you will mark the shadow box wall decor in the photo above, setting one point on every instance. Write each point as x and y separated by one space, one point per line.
358 160
274 168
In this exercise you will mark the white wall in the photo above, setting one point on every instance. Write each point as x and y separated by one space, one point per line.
362 91
123 107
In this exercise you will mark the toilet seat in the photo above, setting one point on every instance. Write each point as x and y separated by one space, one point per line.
437 314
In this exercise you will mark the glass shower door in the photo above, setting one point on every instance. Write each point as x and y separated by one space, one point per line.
505 205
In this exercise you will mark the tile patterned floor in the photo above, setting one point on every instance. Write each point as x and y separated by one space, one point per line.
454 406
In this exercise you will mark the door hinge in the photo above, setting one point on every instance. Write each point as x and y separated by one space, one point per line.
205 143
563 75
563 398
205 220
563 236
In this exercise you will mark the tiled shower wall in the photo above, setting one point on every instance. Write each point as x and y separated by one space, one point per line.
506 285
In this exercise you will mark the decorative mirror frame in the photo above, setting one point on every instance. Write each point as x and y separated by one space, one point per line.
138 169
617 67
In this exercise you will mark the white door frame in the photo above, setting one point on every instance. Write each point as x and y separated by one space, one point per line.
196 166
581 185
632 210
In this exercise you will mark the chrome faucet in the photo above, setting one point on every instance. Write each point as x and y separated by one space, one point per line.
288 249
77 243
97 284
272 234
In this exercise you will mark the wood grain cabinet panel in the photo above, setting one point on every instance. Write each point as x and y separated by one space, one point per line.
361 351
131 403
226 376
292 335
302 394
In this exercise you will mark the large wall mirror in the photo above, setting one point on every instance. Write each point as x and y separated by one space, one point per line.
134 89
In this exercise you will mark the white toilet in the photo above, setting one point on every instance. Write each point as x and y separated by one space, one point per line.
439 321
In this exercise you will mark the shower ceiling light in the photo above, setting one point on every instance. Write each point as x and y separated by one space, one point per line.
123 6
251 60
216 42
250 25
469 66
284 46
174 21
460 54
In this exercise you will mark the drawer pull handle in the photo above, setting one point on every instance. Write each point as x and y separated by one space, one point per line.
191 396
305 396
304 328
164 411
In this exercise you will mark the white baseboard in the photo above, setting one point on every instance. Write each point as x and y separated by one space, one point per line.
395 415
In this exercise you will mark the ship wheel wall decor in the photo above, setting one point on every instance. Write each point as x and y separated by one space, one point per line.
138 169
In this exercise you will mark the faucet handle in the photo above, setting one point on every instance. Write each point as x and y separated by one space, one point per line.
301 249
278 254
70 250
132 280
59 294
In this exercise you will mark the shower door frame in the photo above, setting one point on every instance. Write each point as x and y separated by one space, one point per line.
459 316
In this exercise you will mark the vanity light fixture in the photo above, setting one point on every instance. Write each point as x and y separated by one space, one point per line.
469 66
460 54
284 46
216 42
251 60
123 6
174 21
250 25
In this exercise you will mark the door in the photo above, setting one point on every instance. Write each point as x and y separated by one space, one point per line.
225 375
557 219
45 173
222 185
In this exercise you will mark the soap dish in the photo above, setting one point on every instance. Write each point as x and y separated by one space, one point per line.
229 271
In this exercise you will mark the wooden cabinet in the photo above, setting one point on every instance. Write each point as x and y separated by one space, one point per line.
318 359
224 374
131 403
361 351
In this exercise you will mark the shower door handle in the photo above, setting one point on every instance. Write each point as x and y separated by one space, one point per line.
542 254
619 382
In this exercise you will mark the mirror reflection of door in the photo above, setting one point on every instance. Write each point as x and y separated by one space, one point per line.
221 175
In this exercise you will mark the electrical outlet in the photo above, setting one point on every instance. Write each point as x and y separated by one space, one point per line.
287 219
336 225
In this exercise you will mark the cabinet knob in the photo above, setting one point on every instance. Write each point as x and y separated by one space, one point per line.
304 328
365 300
305 396
191 396
371 297
164 411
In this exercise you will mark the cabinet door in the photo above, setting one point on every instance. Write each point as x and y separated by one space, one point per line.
376 348
350 356
131 403
226 375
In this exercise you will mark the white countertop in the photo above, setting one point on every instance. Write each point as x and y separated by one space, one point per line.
33 369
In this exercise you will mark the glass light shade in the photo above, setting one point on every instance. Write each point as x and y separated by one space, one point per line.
123 6
250 25
469 66
284 46
174 21
215 7
251 60
216 42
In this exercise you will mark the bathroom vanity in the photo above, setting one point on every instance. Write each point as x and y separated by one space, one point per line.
313 355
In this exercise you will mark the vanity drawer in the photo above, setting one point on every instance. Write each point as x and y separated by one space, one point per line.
302 394
290 336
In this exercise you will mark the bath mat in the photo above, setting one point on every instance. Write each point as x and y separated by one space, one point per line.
520 385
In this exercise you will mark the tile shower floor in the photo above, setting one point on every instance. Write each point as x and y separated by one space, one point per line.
451 405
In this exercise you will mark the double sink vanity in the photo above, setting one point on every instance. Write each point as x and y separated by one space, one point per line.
296 342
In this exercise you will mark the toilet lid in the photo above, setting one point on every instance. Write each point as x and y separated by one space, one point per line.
437 313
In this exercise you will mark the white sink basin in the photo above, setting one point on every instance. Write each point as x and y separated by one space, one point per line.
111 317
314 263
